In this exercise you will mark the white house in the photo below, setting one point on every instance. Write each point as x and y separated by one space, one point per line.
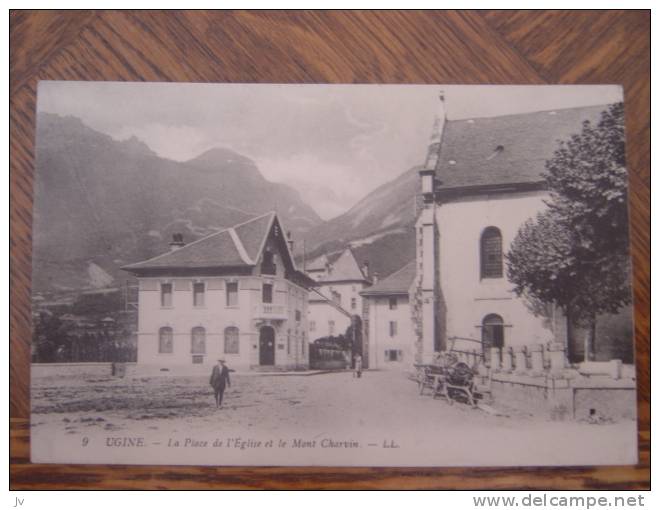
388 321
482 180
235 294
335 297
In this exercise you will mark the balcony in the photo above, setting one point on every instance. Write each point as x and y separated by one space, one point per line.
270 311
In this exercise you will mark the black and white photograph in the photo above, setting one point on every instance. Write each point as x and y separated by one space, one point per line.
331 275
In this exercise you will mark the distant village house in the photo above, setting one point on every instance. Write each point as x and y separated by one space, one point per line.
335 298
388 322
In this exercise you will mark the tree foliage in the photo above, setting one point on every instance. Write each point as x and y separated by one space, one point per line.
575 254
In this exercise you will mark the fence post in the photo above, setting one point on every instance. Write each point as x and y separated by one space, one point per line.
507 359
520 354
557 357
536 354
495 358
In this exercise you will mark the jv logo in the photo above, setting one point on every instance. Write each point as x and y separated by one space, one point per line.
19 502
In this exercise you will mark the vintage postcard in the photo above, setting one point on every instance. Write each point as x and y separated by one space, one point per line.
331 275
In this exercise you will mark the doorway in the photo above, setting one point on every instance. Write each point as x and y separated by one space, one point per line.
492 335
266 346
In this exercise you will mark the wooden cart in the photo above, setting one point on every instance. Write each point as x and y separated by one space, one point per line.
451 377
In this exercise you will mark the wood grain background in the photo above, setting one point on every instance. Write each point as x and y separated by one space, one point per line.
324 47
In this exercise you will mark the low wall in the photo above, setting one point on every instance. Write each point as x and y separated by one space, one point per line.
328 365
71 369
609 403
522 395
569 396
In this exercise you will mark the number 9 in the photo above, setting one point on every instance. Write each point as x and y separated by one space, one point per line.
85 440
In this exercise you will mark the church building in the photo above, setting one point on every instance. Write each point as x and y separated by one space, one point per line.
235 294
481 181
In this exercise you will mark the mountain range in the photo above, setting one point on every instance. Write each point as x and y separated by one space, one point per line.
102 203
379 228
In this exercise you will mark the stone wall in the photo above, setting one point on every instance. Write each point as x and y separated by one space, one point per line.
73 369
536 379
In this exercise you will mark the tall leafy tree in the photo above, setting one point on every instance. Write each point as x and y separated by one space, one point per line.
575 254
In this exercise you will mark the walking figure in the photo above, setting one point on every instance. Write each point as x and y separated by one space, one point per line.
358 366
220 379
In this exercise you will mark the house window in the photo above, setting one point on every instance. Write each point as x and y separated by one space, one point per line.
288 341
268 263
312 326
393 303
336 297
393 355
298 316
198 294
393 328
331 328
232 293
166 295
491 253
492 334
267 293
165 341
231 340
198 340
303 344
353 303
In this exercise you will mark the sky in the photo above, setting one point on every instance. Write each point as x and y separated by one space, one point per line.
332 143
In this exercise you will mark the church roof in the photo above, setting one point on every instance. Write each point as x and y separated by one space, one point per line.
509 149
238 246
395 284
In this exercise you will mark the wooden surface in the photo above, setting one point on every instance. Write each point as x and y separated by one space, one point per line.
324 47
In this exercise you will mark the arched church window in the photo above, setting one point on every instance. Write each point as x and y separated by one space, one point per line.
491 253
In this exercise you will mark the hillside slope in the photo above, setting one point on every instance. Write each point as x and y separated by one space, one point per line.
379 228
102 203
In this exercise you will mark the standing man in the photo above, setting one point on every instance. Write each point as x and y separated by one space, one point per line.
358 366
220 379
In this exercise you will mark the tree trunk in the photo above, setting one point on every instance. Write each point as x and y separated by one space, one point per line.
590 340
570 336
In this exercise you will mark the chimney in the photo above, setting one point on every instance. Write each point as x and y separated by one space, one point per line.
365 269
177 241
289 241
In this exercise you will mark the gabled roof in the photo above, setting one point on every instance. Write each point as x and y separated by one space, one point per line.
510 149
253 234
317 264
345 268
238 246
397 283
